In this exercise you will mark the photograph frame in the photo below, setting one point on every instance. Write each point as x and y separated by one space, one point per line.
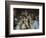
7 14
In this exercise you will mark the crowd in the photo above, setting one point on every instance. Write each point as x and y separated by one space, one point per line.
27 21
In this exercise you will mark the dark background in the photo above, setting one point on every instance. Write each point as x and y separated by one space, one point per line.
17 11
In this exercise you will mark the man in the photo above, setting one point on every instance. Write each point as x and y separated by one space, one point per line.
36 23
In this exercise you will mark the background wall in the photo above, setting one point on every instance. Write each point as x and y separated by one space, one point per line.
2 18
